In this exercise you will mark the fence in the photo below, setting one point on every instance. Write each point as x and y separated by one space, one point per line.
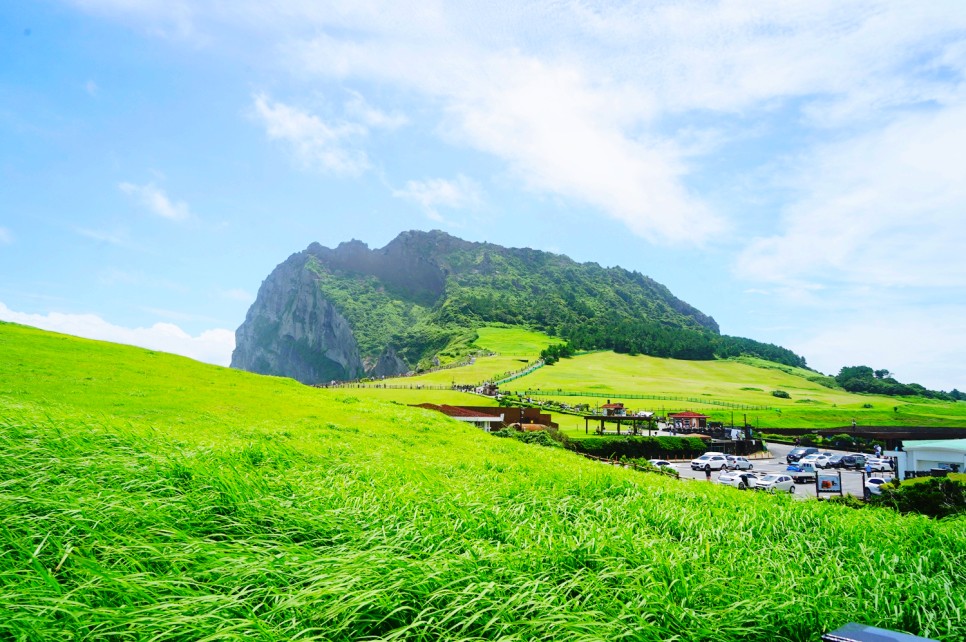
520 373
619 395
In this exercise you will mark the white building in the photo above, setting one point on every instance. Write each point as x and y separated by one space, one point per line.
923 455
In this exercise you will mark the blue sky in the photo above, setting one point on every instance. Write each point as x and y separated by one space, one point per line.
793 169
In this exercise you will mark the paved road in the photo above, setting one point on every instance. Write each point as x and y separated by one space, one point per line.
853 483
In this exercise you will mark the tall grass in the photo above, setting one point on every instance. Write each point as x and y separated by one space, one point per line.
111 535
243 507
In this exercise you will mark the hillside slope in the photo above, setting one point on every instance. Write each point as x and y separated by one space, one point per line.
147 496
340 313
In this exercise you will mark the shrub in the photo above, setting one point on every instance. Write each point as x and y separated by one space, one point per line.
845 442
847 500
639 447
934 496
781 394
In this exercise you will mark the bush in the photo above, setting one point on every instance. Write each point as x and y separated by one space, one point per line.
933 496
781 394
847 500
844 442
538 437
648 467
640 447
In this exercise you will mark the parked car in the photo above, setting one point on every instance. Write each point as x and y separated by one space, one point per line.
873 486
738 463
709 461
738 478
853 460
878 464
660 463
774 482
798 453
816 459
835 461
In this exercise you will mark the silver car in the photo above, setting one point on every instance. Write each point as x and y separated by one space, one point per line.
738 463
774 482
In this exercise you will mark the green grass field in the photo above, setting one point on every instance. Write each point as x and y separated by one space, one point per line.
702 386
514 348
145 496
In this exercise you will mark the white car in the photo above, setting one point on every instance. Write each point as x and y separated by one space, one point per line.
821 461
879 464
812 459
738 463
737 478
709 461
873 486
660 463
773 482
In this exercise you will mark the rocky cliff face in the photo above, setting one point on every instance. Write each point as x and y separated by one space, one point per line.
352 311
389 364
293 331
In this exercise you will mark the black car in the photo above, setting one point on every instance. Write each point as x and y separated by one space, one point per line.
798 453
835 461
854 460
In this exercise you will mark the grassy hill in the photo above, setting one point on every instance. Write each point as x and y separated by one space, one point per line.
742 386
147 496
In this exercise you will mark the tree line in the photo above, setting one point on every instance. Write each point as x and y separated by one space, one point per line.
881 382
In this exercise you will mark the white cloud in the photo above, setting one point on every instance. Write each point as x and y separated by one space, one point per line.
579 99
328 147
434 193
560 129
6 236
211 346
91 88
156 201
882 209
358 107
928 348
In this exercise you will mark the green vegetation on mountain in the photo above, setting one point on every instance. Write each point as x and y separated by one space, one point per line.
147 496
418 301
865 379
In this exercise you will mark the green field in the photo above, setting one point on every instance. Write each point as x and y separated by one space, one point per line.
726 390
150 497
510 350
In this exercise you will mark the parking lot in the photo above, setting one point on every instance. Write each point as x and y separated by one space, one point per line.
852 481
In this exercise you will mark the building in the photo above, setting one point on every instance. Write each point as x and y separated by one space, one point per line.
687 419
481 419
924 455
613 409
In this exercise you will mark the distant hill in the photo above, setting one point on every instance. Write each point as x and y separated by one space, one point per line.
352 311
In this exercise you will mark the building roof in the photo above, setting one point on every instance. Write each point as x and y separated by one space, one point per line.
456 411
613 405
688 415
954 445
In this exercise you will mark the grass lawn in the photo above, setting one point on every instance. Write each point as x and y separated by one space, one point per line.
514 348
728 390
148 496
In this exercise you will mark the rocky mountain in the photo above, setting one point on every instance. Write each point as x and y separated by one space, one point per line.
353 311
